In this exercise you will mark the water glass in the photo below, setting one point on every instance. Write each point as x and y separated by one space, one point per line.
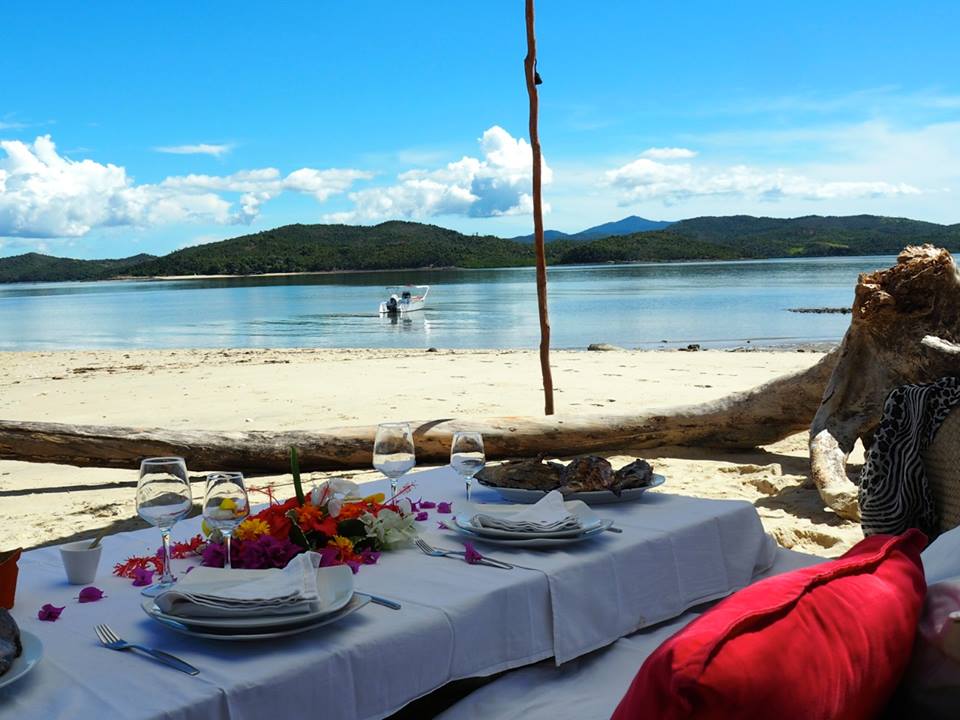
225 505
163 498
467 456
393 452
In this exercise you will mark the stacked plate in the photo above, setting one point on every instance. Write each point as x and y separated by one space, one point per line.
497 526
591 497
339 601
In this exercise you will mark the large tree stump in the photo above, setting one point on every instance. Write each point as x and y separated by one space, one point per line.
905 323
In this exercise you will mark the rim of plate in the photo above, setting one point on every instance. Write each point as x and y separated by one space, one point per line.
30 657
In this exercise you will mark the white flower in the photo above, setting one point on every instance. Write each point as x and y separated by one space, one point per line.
391 528
334 507
316 496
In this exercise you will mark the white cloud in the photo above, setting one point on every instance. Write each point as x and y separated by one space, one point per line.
646 179
497 185
199 149
44 194
668 153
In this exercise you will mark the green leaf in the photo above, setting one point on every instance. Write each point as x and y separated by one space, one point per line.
295 469
351 528
297 536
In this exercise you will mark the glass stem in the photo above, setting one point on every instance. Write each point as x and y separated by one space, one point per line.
393 487
468 480
167 577
226 562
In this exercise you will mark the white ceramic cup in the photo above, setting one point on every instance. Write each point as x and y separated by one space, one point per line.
80 561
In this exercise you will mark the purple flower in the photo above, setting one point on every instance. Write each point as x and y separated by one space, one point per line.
142 577
369 557
252 555
277 552
90 594
49 612
187 571
421 516
426 505
214 555
328 556
415 506
445 508
441 525
470 553
354 566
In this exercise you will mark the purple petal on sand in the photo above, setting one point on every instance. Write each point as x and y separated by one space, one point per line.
445 508
421 516
426 505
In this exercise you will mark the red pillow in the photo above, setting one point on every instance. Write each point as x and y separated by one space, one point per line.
825 642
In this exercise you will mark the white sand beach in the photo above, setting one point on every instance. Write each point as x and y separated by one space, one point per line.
313 389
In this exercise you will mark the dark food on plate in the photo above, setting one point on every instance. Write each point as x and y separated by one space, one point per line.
10 645
582 474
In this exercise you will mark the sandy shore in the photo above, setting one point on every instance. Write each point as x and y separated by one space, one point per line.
312 389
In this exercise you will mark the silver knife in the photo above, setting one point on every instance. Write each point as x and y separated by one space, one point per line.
376 599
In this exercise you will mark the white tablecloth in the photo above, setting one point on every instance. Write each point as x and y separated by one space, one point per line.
457 621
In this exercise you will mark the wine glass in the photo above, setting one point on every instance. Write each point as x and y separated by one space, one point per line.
466 456
393 452
163 498
225 505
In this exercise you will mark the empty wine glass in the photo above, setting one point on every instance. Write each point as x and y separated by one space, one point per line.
393 452
225 505
466 456
163 498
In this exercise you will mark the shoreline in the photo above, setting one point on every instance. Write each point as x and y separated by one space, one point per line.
310 389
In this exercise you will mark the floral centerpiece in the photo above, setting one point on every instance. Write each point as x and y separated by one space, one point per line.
334 520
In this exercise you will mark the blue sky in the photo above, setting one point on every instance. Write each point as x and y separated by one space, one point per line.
144 127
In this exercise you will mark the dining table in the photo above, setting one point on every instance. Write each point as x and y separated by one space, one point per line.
457 620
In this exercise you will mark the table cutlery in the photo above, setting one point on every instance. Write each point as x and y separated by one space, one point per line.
378 600
613 529
113 641
427 549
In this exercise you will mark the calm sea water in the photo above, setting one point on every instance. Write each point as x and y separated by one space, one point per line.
718 304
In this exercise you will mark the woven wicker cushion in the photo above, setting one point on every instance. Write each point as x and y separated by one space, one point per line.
941 460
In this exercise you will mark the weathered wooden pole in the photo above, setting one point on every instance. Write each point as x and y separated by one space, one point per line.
530 67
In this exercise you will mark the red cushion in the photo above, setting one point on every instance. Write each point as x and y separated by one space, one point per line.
826 642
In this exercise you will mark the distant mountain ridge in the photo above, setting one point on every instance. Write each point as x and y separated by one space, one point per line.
399 245
626 226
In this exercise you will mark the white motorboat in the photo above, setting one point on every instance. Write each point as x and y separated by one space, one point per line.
405 299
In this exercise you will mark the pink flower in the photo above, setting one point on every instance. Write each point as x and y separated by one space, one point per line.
441 525
369 557
445 508
421 516
426 505
90 594
470 553
49 612
142 577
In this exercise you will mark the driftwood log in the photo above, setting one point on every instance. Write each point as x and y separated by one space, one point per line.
904 328
758 416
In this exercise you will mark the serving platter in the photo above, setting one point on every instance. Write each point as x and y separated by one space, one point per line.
31 655
591 497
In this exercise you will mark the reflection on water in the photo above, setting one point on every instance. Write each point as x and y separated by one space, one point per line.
638 305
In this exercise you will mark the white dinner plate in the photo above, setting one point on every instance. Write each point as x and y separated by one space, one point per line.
355 603
32 652
591 497
341 585
536 542
466 522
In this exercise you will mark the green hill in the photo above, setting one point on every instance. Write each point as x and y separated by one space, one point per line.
399 245
34 267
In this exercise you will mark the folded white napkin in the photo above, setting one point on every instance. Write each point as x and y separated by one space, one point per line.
548 514
301 587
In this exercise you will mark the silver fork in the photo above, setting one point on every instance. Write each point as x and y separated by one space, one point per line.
113 641
427 549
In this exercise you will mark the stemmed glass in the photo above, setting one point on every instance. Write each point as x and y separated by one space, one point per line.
466 456
393 452
225 505
163 498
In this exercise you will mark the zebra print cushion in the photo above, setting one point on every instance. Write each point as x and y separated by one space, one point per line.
894 494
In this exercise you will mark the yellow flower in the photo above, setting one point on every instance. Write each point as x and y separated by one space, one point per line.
251 529
228 504
342 544
375 498
206 528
